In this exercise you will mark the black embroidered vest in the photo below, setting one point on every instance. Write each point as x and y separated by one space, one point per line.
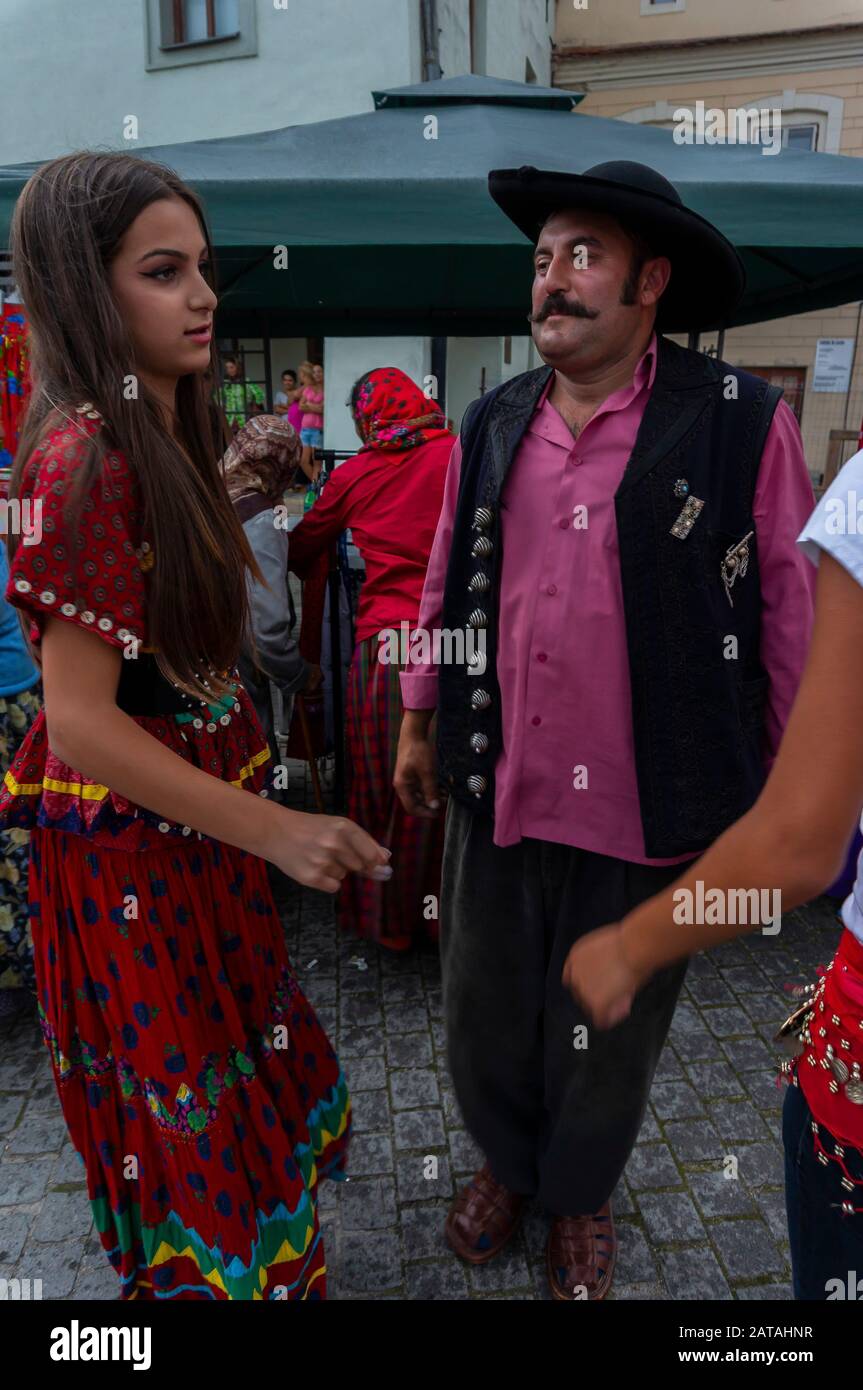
692 602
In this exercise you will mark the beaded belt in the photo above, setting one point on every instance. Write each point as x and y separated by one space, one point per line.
824 1036
144 691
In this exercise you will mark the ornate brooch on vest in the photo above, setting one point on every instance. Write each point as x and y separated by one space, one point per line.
736 563
688 516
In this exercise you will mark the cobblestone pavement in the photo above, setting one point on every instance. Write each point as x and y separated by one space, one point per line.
686 1231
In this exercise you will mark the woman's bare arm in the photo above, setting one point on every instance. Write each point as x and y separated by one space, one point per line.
90 733
794 837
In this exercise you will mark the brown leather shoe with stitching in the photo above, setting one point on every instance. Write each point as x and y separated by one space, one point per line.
482 1218
581 1254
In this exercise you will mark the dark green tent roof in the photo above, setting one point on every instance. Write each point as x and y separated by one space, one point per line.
389 231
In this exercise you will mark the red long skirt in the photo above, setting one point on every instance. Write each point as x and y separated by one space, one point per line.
405 908
196 1082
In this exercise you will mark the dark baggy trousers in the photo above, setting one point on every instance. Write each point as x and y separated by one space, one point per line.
826 1244
555 1120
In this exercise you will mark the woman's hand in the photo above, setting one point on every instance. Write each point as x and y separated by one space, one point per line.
319 851
600 978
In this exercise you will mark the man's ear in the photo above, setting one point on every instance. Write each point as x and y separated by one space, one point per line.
656 278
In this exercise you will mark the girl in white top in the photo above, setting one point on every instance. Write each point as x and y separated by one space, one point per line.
793 841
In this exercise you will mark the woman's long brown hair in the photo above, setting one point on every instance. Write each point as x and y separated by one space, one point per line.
68 224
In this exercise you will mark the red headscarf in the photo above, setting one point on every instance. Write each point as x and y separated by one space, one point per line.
394 415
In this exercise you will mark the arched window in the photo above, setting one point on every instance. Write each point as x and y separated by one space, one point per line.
809 120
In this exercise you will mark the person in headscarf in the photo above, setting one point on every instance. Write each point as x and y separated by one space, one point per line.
390 496
257 468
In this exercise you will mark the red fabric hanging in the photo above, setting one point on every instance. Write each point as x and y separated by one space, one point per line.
14 379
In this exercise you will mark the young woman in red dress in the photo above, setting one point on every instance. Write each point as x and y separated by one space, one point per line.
195 1079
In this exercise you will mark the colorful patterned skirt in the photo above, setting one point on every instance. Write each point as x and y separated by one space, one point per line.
196 1082
17 714
395 913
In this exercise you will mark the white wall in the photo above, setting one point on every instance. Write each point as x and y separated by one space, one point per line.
466 358
526 34
509 31
346 359
73 72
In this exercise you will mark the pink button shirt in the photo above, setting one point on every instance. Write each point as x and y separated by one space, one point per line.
566 771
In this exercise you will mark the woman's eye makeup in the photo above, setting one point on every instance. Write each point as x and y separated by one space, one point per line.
205 267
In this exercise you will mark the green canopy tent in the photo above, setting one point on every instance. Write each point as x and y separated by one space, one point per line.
389 227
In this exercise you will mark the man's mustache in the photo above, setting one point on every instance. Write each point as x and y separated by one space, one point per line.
554 305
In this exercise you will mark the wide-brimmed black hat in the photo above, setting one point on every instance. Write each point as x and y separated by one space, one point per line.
707 275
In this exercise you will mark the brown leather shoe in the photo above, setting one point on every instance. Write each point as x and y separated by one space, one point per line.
482 1218
581 1254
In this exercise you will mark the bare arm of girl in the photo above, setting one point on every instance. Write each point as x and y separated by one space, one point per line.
88 731
793 839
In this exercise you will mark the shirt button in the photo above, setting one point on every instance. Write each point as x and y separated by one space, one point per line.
574 459
542 656
536 720
552 589
564 523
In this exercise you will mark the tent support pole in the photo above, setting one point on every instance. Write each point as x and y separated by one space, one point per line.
268 366
438 369
720 343
694 340
334 584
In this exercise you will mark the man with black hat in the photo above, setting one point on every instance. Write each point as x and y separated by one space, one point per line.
620 525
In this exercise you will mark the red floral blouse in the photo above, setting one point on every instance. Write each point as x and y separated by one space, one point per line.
111 557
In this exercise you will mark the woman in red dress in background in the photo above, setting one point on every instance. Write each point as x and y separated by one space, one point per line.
195 1079
390 496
